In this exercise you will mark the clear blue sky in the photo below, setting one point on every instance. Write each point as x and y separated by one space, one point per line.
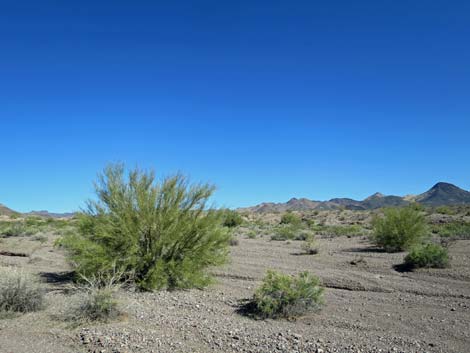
267 99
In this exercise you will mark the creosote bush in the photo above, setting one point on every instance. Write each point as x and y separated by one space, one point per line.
290 218
19 292
399 229
232 218
446 210
455 230
285 232
428 255
309 246
159 234
287 296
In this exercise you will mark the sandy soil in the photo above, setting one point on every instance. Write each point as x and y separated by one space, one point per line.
370 306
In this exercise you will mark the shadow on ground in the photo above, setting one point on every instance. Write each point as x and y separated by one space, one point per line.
369 249
403 268
58 278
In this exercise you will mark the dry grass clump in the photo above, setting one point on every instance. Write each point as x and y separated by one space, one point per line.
96 301
20 292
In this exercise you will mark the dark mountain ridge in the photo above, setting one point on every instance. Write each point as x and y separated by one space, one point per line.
439 195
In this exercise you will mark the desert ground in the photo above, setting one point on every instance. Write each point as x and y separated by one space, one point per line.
371 304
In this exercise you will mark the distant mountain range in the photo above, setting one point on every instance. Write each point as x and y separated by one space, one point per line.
439 195
5 211
50 214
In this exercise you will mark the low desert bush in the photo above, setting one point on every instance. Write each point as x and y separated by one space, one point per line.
428 255
160 235
399 229
231 218
285 232
19 291
310 246
446 210
287 296
417 206
290 218
338 230
456 230
251 234
13 229
303 234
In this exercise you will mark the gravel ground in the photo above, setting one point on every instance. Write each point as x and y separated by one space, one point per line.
370 306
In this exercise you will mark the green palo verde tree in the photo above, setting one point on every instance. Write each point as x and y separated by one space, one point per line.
159 234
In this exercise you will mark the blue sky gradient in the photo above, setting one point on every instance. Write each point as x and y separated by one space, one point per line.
267 99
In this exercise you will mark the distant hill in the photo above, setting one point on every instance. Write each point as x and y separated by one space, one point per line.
5 211
439 195
444 194
48 214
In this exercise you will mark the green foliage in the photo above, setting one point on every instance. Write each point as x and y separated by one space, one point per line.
251 234
290 218
13 229
232 218
417 206
281 295
34 225
456 230
159 234
19 291
429 255
285 232
338 230
303 234
399 229
445 210
310 246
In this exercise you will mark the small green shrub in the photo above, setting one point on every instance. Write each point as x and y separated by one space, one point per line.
19 292
417 206
14 229
445 210
337 230
286 296
399 229
303 235
456 230
290 218
232 219
310 246
285 232
251 234
429 255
